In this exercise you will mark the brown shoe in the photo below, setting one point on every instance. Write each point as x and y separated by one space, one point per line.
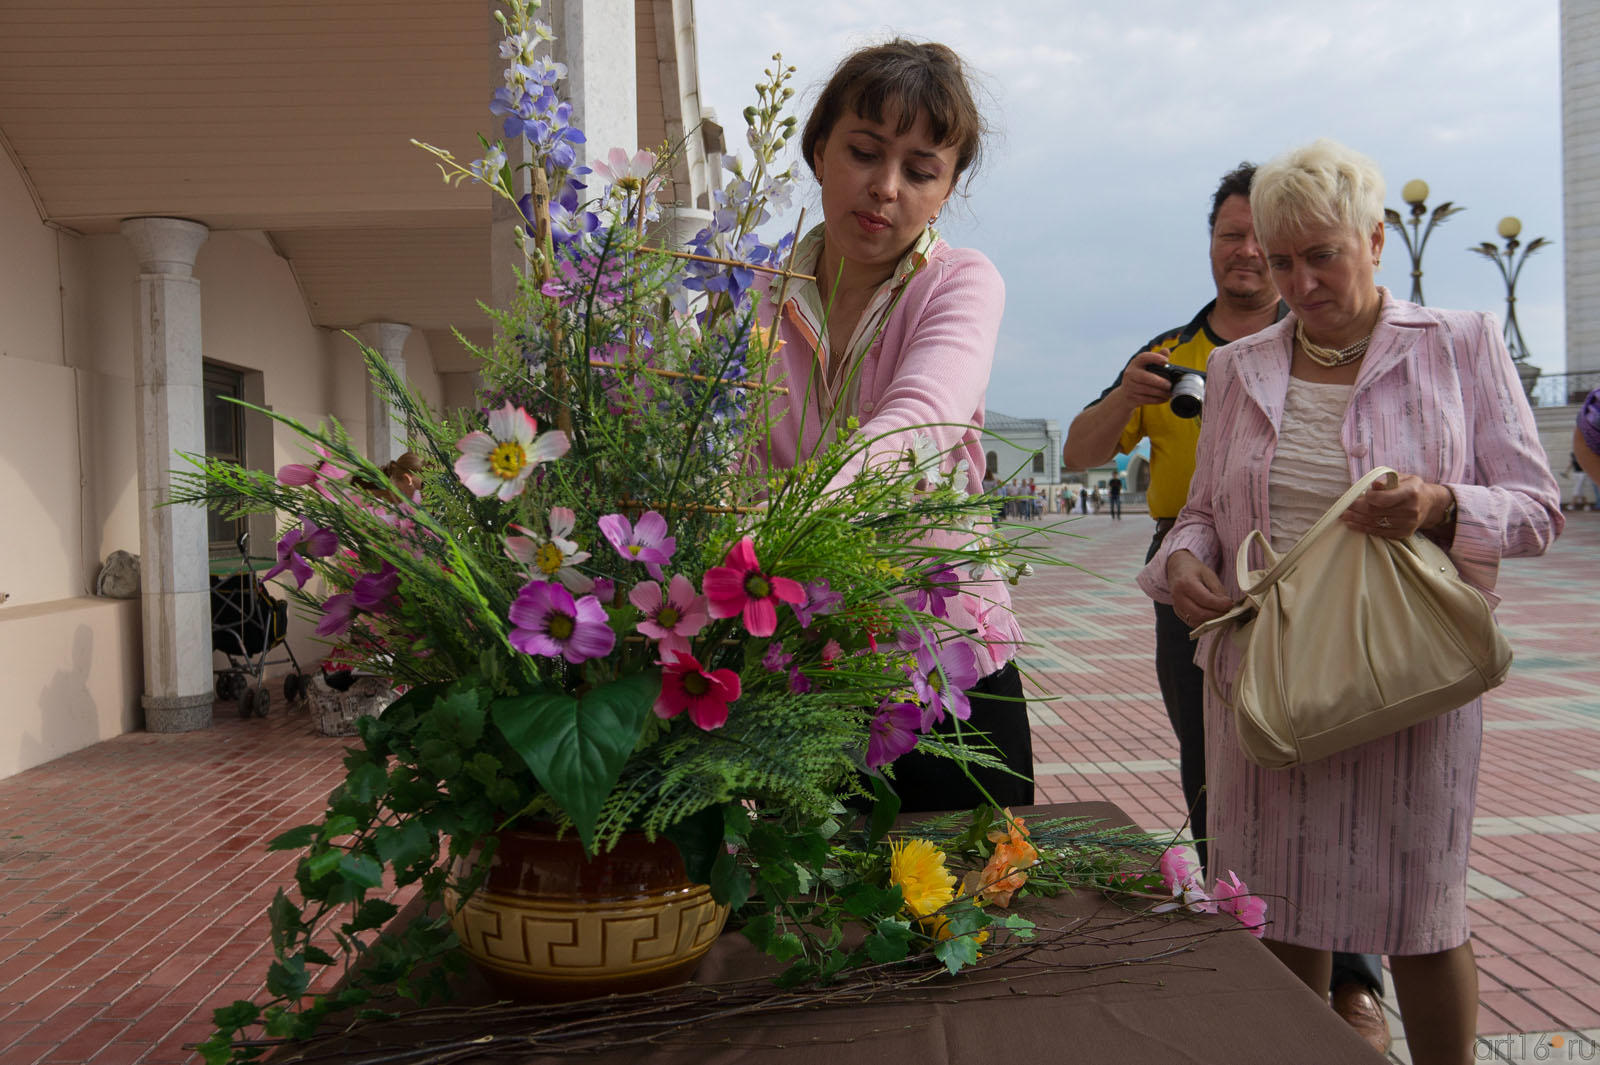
1362 1011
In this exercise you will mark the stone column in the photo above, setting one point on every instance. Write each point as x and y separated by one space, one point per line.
169 412
596 40
386 425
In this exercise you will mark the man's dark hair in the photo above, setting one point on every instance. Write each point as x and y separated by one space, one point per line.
1235 182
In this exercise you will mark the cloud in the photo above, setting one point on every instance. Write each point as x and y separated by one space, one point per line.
1115 121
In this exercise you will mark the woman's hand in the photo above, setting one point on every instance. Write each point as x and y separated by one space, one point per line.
1197 593
1398 511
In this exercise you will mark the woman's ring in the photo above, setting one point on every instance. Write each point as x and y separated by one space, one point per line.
1384 523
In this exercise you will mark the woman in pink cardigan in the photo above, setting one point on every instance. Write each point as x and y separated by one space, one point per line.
898 332
1364 851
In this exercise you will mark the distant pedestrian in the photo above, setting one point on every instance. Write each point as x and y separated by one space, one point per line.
1114 489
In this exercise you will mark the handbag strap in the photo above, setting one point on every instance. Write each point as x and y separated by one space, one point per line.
1277 567
1281 566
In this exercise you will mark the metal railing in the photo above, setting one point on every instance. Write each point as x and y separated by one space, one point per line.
1563 389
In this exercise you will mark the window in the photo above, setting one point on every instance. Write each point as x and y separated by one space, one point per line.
1038 462
224 440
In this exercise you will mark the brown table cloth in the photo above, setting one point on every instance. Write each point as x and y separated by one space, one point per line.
1217 996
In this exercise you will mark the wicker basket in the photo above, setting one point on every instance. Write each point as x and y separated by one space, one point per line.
337 712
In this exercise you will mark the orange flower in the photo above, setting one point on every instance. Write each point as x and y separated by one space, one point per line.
1005 872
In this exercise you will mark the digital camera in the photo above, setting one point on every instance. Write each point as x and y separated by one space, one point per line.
1188 388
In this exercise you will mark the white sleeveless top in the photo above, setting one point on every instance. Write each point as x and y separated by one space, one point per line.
1309 471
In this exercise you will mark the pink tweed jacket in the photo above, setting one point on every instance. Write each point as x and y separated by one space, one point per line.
927 372
1437 396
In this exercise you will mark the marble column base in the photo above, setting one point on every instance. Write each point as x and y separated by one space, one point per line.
177 713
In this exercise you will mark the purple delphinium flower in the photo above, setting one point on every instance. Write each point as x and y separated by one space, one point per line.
799 683
941 678
894 732
941 583
549 623
820 599
646 542
308 541
776 660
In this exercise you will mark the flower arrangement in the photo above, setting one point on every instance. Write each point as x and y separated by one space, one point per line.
608 615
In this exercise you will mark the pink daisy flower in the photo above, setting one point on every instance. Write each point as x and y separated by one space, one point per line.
738 586
672 617
550 623
646 542
685 685
554 559
498 462
1234 898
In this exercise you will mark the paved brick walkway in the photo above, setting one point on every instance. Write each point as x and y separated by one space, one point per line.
1535 868
133 882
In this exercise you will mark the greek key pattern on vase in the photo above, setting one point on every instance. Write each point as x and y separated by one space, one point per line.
577 940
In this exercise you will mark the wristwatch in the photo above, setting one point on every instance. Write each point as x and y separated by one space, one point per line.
1449 511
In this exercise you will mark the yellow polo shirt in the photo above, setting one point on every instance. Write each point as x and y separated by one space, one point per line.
1172 439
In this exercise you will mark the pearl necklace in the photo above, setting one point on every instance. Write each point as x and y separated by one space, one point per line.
1330 357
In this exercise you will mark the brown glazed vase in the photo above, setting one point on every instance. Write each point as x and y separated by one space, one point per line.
552 925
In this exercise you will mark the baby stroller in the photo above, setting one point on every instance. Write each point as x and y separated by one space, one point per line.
247 623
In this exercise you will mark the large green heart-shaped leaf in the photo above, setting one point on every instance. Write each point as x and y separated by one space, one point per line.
577 747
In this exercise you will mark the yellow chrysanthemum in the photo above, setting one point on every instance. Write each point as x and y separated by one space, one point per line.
917 866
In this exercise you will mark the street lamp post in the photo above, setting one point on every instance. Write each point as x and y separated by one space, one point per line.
1415 193
1510 269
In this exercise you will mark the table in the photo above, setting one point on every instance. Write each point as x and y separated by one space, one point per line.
1223 999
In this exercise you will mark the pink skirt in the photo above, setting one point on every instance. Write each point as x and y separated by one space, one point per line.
1364 851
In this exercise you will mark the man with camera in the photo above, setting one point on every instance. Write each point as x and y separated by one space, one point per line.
1160 394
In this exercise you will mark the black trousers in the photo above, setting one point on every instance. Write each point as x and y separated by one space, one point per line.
1183 691
1116 507
925 782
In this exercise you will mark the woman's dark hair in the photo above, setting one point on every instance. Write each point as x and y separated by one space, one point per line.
1235 182
907 79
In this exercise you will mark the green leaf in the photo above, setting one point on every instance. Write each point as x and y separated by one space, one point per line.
287 978
1020 926
576 747
884 810
373 913
339 825
317 956
286 921
736 823
785 946
296 838
361 869
891 941
862 899
730 881
322 863
459 714
240 1013
758 930
404 845
699 840
366 782
957 953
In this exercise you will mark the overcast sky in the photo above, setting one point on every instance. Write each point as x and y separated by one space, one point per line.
1115 121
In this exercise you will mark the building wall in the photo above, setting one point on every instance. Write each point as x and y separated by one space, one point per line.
1580 156
68 476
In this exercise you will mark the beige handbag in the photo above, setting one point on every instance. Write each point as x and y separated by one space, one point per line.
1349 637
